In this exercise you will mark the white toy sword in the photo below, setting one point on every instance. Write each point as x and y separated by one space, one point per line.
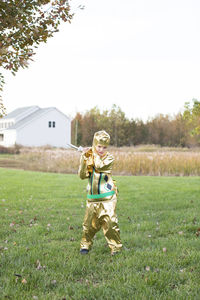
80 148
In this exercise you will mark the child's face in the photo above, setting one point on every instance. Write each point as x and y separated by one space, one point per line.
101 150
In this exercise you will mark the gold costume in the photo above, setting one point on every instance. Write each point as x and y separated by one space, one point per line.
101 195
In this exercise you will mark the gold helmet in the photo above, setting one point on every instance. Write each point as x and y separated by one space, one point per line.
102 138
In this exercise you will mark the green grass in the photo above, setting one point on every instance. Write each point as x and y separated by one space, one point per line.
40 230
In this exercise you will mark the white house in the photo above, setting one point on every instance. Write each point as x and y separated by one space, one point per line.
35 126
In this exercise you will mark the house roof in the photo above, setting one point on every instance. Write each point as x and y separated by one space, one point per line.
19 111
34 114
30 117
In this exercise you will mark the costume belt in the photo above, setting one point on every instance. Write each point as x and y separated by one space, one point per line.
99 196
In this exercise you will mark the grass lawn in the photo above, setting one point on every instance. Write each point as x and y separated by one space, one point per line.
41 218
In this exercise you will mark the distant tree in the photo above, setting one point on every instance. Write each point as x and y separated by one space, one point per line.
90 125
24 25
76 130
192 116
169 131
141 133
178 132
160 130
117 121
113 121
132 132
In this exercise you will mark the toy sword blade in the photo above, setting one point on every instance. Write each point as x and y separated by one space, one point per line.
80 148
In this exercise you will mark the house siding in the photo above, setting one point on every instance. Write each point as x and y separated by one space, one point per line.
38 132
9 138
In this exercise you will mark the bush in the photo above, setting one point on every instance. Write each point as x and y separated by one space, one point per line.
10 150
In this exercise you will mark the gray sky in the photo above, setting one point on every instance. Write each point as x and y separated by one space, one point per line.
139 54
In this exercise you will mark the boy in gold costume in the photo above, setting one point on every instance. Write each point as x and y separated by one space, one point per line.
96 165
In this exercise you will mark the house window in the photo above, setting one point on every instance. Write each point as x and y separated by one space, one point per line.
52 124
1 137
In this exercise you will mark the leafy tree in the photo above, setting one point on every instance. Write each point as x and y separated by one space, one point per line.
168 131
179 133
90 125
159 130
24 25
117 121
76 130
192 116
141 134
132 132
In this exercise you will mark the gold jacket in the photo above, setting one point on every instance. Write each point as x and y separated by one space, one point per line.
98 171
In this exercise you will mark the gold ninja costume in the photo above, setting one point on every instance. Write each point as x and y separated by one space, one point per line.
101 195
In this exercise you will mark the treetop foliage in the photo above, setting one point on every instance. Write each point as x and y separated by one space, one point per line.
24 25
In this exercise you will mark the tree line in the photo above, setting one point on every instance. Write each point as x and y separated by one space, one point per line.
163 130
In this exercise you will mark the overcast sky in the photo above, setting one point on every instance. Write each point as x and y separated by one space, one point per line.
142 55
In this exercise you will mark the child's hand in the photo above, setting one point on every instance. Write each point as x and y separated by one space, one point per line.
87 152
90 160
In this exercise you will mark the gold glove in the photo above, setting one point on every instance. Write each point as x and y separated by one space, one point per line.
88 152
90 160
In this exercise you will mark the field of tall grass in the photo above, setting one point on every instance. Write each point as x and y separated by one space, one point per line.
142 160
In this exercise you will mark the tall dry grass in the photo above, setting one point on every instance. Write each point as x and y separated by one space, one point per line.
143 160
157 164
49 160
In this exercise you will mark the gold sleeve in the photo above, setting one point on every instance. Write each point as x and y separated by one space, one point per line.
104 164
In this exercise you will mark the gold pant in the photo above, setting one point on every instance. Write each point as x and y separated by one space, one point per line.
101 215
